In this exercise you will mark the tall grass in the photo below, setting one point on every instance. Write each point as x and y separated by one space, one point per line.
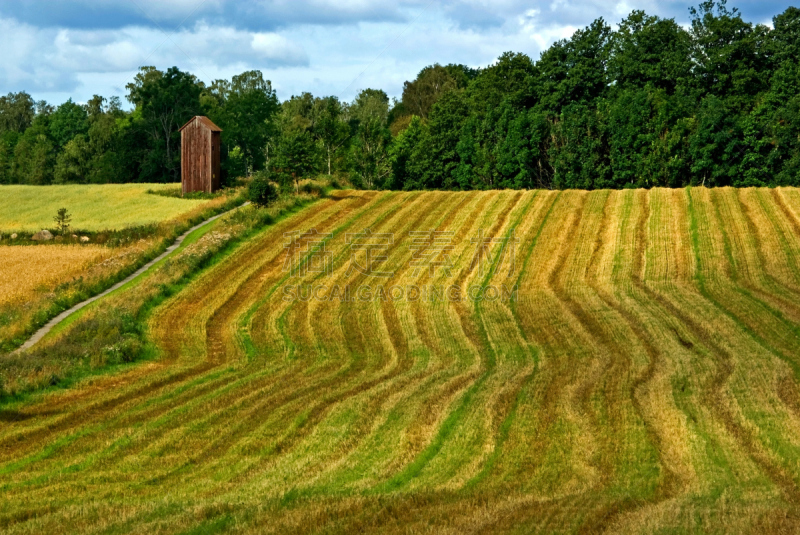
93 207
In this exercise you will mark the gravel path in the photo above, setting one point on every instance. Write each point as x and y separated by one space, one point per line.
44 331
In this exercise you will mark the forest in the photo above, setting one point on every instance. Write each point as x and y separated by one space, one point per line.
647 103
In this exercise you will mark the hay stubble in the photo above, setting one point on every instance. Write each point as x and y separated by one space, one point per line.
646 378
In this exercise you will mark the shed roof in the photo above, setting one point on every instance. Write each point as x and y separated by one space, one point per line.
205 121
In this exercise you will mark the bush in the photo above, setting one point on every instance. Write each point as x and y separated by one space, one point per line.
261 191
314 188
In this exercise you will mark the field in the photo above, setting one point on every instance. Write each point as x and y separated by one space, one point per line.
26 270
39 281
93 208
34 278
620 361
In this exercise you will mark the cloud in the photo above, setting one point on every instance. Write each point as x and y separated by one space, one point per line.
30 67
58 63
52 59
255 15
486 14
271 15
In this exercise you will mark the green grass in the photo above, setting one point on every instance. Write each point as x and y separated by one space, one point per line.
93 207
190 239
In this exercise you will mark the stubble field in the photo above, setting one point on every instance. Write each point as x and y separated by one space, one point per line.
636 369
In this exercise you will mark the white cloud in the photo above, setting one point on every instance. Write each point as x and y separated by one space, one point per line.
57 60
29 66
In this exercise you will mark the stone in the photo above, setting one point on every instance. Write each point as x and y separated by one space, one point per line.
84 239
14 236
42 235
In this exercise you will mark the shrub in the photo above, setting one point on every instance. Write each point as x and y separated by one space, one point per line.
314 188
261 191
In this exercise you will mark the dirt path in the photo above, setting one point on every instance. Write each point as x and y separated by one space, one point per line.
44 331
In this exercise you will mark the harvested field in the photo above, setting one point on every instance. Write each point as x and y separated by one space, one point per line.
619 361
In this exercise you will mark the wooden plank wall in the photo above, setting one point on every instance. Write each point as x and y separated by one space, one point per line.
200 158
215 161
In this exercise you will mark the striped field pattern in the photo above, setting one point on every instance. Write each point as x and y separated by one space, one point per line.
645 376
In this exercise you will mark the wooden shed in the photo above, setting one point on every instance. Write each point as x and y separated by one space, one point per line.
200 145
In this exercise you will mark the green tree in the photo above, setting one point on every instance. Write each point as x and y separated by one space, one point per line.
435 157
784 40
730 55
17 111
62 221
68 121
295 157
370 104
422 93
579 153
370 164
784 158
573 70
369 158
522 150
261 191
245 109
510 78
73 163
35 154
401 154
165 102
647 132
331 129
8 141
649 50
716 146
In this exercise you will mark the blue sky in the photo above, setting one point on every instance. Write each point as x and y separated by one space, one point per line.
75 48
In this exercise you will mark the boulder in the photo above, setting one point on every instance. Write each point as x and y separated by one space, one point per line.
42 235
14 236
84 239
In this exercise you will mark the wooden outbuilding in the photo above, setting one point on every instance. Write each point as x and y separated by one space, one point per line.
200 146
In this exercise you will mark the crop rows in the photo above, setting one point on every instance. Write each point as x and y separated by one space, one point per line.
643 374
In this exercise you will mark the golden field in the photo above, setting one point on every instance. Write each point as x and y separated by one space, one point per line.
33 277
24 271
645 379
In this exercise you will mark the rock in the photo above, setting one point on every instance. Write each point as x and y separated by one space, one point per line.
14 236
74 236
42 235
84 239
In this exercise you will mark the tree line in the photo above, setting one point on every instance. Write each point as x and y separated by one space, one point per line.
648 104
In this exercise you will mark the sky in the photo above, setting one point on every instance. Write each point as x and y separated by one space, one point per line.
56 50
